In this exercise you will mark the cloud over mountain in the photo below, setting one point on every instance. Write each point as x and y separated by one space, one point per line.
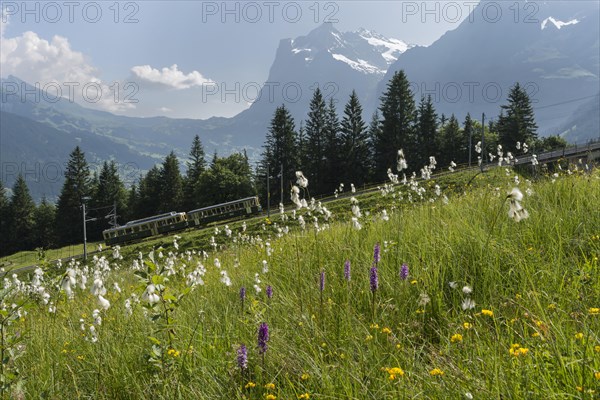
170 76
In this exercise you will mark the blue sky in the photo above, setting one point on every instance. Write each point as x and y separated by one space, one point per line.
221 42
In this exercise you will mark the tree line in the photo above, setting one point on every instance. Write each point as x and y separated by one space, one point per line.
328 149
162 189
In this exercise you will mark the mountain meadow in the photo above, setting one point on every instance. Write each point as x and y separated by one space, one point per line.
469 285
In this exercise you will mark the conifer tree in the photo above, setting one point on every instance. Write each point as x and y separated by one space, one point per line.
280 153
355 163
374 133
316 131
149 193
426 131
196 165
397 127
332 155
75 190
470 139
450 142
171 185
517 120
21 210
44 227
4 215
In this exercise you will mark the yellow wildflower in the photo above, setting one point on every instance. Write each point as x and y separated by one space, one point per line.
579 388
457 337
413 282
173 353
369 337
516 350
597 375
594 311
467 325
535 334
488 313
304 396
436 372
250 385
304 376
597 349
270 397
552 306
386 331
270 386
579 336
374 326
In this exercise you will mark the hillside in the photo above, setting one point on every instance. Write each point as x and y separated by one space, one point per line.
485 306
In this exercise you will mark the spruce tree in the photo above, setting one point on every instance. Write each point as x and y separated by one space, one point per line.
450 142
316 131
374 133
280 152
149 194
75 190
517 120
109 192
4 216
332 155
355 163
397 127
171 185
301 143
44 226
426 131
21 223
196 165
470 139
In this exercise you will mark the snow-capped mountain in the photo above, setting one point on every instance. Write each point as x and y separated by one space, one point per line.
336 62
364 51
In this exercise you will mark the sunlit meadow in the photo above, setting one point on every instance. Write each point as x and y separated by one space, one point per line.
477 286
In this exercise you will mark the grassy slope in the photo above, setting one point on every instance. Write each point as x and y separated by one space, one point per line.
539 277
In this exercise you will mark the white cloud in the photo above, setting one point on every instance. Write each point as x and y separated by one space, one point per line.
165 109
41 62
170 76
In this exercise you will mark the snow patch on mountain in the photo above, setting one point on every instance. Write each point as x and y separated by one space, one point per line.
359 65
558 24
391 48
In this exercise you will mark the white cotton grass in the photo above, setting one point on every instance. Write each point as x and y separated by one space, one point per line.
402 165
515 210
301 180
295 196
149 295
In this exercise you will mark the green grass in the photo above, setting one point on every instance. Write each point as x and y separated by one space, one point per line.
539 277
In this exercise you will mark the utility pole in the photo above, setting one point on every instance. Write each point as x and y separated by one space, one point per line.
268 193
470 144
85 220
482 140
281 182
84 234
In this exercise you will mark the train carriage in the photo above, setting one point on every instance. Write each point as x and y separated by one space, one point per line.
146 227
176 221
205 215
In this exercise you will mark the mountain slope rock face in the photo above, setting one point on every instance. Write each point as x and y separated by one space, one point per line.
551 48
337 62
